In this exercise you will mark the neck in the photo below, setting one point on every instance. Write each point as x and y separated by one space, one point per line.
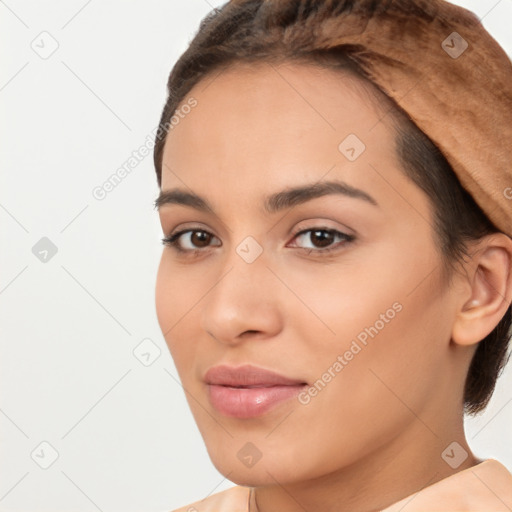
402 467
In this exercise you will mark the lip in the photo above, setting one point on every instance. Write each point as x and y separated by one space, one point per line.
247 376
248 391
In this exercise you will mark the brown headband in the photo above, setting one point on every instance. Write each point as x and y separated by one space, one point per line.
455 82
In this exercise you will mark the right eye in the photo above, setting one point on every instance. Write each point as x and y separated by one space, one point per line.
195 241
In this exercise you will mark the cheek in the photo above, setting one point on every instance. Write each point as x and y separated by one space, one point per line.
164 295
368 290
387 318
176 293
382 384
172 301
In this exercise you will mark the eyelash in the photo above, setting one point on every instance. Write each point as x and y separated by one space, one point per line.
173 240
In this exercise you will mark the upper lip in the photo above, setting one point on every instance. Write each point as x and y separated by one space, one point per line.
247 376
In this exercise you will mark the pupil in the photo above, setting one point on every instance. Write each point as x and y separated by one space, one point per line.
325 240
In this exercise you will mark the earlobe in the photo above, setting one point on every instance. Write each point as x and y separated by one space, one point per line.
491 291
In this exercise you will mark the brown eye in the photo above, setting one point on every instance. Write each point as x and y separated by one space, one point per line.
189 240
321 239
200 238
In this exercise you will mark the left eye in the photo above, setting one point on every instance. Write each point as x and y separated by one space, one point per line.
322 237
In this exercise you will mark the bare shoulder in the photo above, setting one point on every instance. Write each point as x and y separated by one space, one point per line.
234 499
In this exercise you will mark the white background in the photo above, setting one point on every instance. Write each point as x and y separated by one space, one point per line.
125 438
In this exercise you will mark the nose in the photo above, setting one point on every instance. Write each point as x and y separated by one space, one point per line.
243 303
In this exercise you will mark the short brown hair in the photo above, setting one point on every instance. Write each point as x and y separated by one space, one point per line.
290 30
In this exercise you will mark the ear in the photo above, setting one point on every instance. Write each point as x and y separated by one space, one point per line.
489 274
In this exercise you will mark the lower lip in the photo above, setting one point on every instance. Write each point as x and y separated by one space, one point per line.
249 402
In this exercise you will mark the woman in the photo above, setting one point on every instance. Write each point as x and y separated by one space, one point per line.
336 281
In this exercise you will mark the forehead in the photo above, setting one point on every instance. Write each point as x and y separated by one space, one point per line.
305 89
263 121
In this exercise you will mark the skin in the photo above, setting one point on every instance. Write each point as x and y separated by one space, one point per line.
376 432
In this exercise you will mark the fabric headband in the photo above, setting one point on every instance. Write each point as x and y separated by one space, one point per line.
455 82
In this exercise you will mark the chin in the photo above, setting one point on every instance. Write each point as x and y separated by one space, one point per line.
264 471
253 477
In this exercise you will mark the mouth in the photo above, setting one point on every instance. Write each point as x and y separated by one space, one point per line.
248 391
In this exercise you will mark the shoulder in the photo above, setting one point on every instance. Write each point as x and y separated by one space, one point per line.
234 499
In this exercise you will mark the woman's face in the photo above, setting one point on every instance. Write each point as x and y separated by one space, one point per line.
358 312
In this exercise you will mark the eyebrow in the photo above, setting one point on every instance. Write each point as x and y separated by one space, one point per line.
274 203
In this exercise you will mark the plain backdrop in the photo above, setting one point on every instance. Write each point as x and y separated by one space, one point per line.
87 422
